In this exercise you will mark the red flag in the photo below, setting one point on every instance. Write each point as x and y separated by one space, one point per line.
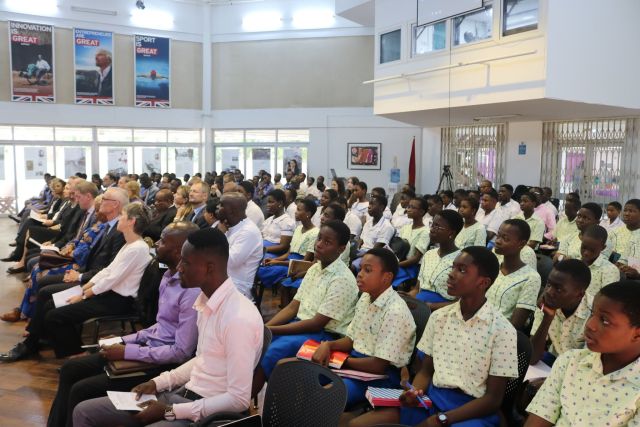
412 163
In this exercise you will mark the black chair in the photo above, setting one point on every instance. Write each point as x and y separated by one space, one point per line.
514 385
257 291
420 312
220 418
297 397
400 247
544 267
146 304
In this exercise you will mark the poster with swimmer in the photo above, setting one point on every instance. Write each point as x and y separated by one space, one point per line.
152 69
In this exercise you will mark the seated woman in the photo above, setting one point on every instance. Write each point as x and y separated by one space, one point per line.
277 230
417 235
181 200
304 237
328 196
133 190
473 233
400 218
431 286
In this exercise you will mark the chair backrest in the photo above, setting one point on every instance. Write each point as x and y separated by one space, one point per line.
420 312
149 293
266 341
524 356
303 394
544 267
400 247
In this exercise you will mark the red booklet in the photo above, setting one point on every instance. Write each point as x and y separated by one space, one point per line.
310 346
379 397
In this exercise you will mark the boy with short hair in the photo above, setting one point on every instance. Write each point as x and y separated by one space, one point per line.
597 386
603 272
563 311
566 228
613 220
381 336
528 204
588 214
470 353
377 231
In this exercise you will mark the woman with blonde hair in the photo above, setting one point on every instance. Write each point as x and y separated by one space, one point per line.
133 191
181 200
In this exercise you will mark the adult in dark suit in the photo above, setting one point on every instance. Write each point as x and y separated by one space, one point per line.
101 255
198 196
105 81
165 213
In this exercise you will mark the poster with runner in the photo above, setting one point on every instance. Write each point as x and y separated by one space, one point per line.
152 67
93 53
31 56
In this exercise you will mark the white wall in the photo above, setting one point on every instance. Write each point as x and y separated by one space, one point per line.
523 169
429 162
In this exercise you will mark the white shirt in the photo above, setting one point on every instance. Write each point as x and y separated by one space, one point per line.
492 221
254 213
41 64
313 191
273 228
354 223
400 218
315 219
230 338
451 207
291 210
611 226
508 210
360 208
382 232
245 254
123 275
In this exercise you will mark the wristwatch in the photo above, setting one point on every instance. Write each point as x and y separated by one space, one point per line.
169 415
442 419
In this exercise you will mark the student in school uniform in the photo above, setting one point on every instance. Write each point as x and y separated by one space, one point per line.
400 217
515 291
447 200
353 222
277 230
588 214
470 354
597 386
382 334
291 206
603 272
562 313
527 255
528 203
379 191
566 228
488 215
377 231
613 220
417 235
507 207
321 309
628 240
434 207
360 206
545 211
473 233
327 197
431 286
301 248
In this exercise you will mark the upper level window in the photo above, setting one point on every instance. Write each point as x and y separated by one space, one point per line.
519 16
429 38
390 45
473 26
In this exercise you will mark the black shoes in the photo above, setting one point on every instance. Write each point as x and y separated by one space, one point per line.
16 218
12 270
20 351
11 258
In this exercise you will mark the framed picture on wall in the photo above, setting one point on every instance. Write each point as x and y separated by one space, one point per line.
364 155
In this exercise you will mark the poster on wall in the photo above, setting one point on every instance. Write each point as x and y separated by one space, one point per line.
230 158
151 160
75 160
93 52
364 155
184 161
261 158
292 158
118 161
31 62
2 163
152 67
35 162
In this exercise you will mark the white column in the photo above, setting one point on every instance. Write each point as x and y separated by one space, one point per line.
207 152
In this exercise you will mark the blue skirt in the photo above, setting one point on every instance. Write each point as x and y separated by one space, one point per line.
445 399
290 283
269 275
267 244
404 274
283 346
356 389
430 296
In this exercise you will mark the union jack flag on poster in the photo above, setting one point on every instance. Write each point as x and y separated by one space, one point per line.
32 76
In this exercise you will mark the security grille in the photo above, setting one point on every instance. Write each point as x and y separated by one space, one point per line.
595 158
475 153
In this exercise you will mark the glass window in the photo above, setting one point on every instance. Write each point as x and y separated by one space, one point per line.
473 27
6 133
7 180
390 46
32 133
429 38
229 158
293 135
33 163
74 134
115 135
259 159
260 135
519 16
185 136
184 160
228 136
286 154
150 159
149 135
118 160
70 160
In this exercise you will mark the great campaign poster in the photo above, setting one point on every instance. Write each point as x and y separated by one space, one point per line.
93 52
152 65
32 77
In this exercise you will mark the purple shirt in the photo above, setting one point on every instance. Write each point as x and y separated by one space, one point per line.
174 336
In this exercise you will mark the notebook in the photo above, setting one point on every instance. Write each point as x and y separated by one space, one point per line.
310 346
298 266
378 397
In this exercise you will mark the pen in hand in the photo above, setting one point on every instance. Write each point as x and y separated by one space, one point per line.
407 385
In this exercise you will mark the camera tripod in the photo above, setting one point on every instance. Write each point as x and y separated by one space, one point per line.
446 179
